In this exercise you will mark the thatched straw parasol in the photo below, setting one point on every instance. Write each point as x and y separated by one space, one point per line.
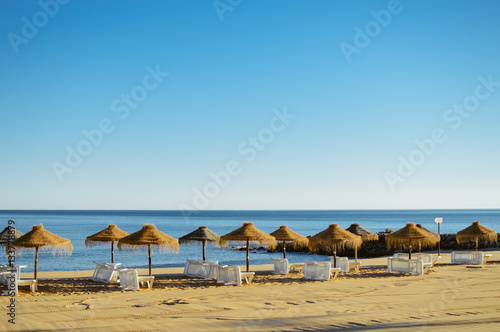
40 238
203 235
476 232
248 232
428 230
111 234
409 236
8 235
286 234
147 236
334 235
365 234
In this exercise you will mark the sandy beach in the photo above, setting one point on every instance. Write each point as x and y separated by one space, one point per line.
451 297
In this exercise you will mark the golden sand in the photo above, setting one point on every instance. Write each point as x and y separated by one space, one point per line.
451 297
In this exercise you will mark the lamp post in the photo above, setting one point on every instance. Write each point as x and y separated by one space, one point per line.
439 221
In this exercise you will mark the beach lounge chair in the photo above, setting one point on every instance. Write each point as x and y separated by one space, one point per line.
13 281
130 279
105 272
320 271
342 263
428 259
232 275
281 266
296 266
200 269
469 257
405 266
7 268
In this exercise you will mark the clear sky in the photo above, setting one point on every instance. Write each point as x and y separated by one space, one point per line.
235 104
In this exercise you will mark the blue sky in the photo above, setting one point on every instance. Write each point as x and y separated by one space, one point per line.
254 104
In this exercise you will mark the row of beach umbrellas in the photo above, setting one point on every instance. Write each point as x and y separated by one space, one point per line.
334 236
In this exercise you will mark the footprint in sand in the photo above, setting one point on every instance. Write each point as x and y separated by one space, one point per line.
175 301
292 303
80 305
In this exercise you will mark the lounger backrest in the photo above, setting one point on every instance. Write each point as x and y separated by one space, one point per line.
400 265
200 269
281 266
10 279
129 279
342 263
229 275
467 257
477 257
317 270
6 268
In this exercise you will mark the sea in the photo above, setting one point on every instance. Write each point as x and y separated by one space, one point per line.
77 225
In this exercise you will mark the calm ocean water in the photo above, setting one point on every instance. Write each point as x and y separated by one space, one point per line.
77 225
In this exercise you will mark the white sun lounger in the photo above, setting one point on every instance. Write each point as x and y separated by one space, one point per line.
106 272
130 279
281 266
428 259
320 271
232 275
469 257
7 268
200 269
13 282
405 266
342 263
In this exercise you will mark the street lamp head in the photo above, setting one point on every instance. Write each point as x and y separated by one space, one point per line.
438 220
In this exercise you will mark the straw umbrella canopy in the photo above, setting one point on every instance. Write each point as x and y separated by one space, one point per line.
203 235
111 234
365 234
9 234
7 237
429 231
334 235
409 236
286 234
248 232
149 235
476 232
38 238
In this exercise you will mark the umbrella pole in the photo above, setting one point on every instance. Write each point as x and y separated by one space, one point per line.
112 251
149 254
335 256
409 257
284 249
356 254
476 243
248 267
419 247
203 244
36 266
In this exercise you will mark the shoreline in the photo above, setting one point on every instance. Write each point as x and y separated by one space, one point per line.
380 261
